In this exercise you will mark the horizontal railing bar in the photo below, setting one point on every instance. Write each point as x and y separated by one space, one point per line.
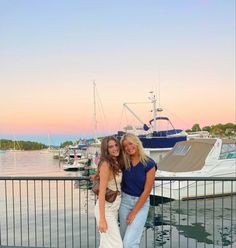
2 246
207 196
196 178
53 178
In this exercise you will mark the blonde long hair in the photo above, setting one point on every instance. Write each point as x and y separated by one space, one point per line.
136 141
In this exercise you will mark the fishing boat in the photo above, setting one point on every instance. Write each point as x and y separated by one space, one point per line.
202 158
156 142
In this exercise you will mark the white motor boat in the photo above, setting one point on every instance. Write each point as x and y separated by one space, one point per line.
76 165
201 158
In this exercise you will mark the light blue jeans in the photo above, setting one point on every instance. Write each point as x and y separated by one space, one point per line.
132 234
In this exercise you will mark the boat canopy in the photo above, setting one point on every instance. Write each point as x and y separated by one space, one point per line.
159 118
187 156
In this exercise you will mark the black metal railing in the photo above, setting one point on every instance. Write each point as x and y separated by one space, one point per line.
193 212
59 212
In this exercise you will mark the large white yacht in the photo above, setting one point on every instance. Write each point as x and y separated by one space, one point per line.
202 158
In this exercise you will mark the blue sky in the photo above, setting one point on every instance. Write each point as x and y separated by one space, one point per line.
51 51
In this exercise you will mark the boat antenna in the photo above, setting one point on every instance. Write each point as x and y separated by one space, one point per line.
154 110
159 90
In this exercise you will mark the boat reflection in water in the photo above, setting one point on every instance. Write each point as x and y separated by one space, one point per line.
193 223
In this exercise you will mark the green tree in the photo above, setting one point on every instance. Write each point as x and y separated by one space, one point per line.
188 130
207 128
21 145
196 128
66 143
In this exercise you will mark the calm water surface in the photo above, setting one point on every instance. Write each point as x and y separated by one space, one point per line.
25 163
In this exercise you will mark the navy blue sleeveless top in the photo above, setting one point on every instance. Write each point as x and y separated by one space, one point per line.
134 178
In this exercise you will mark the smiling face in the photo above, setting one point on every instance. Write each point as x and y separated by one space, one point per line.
132 150
113 148
129 147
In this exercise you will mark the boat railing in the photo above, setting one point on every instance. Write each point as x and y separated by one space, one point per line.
59 212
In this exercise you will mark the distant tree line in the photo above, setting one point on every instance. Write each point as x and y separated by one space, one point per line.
220 130
71 143
66 143
21 145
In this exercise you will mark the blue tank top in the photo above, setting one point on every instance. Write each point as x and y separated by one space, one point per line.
134 178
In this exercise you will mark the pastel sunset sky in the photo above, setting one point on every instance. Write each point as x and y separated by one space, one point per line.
51 51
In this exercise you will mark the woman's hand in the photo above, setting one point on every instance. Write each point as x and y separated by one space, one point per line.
93 177
130 217
102 225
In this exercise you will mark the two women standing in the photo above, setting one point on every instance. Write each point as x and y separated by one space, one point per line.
138 176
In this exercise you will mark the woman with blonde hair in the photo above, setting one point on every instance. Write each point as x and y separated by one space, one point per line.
137 181
110 175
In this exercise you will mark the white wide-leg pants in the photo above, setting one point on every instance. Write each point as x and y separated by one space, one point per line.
111 238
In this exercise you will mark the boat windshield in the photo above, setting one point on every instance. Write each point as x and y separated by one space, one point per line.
228 151
181 149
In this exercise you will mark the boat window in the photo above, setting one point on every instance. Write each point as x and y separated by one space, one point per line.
228 151
181 149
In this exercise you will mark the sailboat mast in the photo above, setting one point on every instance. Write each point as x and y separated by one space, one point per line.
94 111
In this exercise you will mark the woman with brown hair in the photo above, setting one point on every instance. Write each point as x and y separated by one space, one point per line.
110 176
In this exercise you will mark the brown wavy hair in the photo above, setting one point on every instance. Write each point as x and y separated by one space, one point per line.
116 165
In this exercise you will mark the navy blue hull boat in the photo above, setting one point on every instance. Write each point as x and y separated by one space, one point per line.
161 139
149 135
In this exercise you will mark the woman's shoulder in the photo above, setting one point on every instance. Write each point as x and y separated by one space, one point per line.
150 160
151 163
104 163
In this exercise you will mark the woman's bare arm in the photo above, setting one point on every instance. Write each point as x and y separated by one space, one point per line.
104 175
143 197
